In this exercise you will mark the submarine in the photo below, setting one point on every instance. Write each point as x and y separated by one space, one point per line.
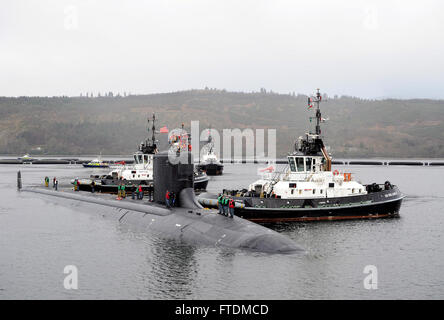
188 221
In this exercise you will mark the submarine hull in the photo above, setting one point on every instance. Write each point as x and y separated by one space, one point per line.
112 188
193 225
382 204
184 219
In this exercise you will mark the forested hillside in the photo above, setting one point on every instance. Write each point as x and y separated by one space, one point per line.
116 125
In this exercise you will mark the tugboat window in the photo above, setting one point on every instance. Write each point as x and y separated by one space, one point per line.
300 164
308 164
291 163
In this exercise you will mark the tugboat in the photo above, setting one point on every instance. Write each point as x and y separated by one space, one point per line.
210 164
140 173
308 189
96 163
26 158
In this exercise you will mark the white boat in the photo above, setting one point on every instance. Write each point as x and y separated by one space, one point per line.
309 190
209 163
26 157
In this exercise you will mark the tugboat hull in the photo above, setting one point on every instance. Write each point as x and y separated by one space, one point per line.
382 204
212 169
201 182
110 185
389 209
86 165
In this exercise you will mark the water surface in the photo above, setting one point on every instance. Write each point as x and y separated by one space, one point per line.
40 236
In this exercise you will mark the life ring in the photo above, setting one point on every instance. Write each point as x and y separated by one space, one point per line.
336 172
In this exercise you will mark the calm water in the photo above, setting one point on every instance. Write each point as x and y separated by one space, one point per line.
39 237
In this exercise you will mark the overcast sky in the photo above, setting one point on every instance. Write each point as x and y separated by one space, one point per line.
369 49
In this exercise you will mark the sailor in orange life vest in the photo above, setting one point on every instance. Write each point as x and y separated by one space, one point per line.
231 207
140 193
167 199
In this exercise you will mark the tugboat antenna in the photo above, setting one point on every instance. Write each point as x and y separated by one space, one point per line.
149 146
154 128
316 99
318 112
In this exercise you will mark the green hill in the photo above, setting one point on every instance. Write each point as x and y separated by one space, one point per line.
116 125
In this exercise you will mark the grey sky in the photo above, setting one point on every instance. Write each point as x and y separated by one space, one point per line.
363 48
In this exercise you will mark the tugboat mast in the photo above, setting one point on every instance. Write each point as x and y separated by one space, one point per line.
316 99
150 145
313 144
153 128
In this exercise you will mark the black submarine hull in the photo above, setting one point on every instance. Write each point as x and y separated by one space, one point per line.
382 204
187 221
191 224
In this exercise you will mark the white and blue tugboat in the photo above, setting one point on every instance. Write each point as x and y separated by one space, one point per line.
209 163
309 190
